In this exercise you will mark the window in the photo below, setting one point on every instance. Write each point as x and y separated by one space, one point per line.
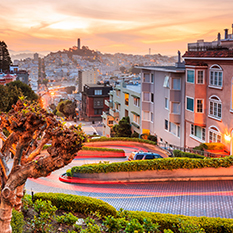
166 103
146 96
200 77
166 82
172 128
151 117
176 108
118 93
146 115
200 105
198 132
176 83
152 97
152 78
214 134
190 76
190 104
97 111
136 101
136 119
216 76
126 99
110 122
166 124
146 78
215 107
117 106
98 92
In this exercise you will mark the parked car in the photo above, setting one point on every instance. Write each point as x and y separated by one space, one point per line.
143 156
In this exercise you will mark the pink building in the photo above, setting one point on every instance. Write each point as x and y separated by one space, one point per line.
209 92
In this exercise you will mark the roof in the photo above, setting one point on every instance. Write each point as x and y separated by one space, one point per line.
172 69
209 53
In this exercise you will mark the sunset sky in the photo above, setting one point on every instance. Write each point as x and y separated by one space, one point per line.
127 26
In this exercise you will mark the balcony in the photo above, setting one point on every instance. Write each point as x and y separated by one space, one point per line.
108 103
175 118
113 113
175 95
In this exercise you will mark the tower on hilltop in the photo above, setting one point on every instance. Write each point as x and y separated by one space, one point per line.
78 45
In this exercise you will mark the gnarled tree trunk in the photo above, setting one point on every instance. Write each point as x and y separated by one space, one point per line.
31 128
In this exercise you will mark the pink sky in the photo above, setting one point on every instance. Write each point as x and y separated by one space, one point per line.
129 26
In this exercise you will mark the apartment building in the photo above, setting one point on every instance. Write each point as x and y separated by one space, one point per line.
93 98
124 101
162 105
209 92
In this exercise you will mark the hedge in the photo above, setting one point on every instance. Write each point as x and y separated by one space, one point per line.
17 221
178 153
170 221
102 139
101 149
76 203
85 205
154 164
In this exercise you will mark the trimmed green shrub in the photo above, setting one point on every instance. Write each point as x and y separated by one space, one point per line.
210 146
102 139
79 204
17 221
173 222
154 164
178 153
101 149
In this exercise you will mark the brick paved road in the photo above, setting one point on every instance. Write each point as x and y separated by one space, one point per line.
207 198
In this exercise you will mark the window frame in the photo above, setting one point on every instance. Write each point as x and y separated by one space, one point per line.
215 69
144 77
203 77
193 133
186 105
202 105
167 103
188 70
173 84
214 130
214 107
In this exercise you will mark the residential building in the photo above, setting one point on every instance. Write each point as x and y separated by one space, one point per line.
93 98
86 77
124 101
209 93
162 114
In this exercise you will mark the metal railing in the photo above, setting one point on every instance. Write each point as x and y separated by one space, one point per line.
171 147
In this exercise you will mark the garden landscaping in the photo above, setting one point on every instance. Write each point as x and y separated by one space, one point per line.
55 212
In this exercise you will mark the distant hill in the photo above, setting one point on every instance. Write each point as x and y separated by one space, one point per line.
22 56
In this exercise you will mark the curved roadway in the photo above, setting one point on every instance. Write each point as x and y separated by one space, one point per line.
196 198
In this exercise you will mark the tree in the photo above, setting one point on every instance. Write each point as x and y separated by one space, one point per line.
122 69
67 107
26 90
10 94
5 59
31 127
123 129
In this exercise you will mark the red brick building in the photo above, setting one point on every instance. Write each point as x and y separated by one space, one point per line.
93 98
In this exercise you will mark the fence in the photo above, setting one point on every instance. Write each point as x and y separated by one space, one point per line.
171 147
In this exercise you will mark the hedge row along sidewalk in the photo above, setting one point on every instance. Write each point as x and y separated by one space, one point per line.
103 139
85 205
155 164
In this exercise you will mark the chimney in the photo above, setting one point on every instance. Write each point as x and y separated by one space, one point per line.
219 37
226 34
179 57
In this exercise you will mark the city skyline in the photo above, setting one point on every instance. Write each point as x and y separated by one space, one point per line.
111 27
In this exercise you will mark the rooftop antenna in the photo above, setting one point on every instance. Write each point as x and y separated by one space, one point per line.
149 51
